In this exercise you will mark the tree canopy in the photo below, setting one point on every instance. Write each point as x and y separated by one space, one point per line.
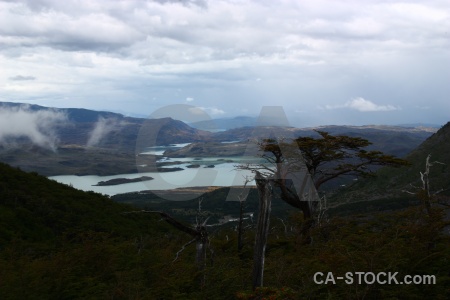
331 156
315 161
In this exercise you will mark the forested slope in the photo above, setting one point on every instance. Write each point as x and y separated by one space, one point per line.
397 184
60 243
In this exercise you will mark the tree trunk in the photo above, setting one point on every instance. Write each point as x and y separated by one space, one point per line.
262 229
200 255
201 243
305 206
199 234
240 225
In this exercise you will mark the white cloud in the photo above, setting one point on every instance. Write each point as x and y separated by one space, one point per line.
213 111
189 99
364 105
204 112
173 32
361 104
197 111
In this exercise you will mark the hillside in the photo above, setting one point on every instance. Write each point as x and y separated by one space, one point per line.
391 183
213 203
57 242
34 208
71 141
80 141
60 243
100 129
394 140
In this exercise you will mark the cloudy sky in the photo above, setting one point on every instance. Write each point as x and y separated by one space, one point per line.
323 61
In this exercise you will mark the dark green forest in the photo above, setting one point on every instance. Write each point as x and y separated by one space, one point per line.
57 242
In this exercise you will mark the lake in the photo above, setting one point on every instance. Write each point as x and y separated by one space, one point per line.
223 173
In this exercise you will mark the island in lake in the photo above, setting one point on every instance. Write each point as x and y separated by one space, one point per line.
117 181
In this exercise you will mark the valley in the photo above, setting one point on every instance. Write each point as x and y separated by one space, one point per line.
224 150
94 221
103 143
110 154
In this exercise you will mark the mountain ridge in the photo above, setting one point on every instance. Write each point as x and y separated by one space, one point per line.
399 183
104 143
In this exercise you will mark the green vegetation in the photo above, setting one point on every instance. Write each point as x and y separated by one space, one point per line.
213 204
57 242
60 243
392 183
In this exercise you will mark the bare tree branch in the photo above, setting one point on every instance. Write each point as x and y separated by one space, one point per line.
182 249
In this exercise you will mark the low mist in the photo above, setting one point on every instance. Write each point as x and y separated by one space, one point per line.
38 126
101 129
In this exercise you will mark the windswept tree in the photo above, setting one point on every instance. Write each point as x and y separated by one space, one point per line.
330 157
300 167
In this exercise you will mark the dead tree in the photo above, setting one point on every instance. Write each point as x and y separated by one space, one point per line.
424 193
264 187
240 227
321 214
198 233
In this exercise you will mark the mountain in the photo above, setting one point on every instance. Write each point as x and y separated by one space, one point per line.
391 183
423 125
394 140
100 129
54 141
224 123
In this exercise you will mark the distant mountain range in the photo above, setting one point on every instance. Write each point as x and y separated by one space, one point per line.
222 124
421 125
105 143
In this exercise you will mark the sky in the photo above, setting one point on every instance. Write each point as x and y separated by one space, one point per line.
324 62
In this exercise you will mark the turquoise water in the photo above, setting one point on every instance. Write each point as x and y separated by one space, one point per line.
223 173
